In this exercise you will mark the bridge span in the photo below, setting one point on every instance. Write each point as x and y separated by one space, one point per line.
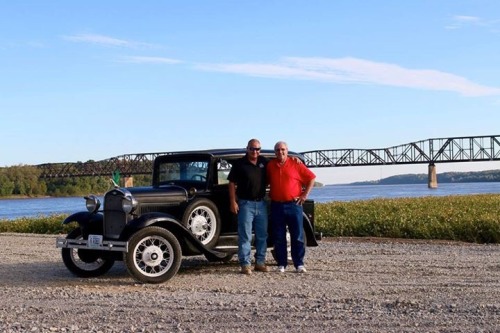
429 151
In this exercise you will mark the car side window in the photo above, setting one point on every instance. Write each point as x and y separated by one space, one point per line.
183 171
223 168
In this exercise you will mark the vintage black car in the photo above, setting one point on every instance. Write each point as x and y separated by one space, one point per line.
184 212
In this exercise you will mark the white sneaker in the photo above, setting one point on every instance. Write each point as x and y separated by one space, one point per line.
281 269
301 269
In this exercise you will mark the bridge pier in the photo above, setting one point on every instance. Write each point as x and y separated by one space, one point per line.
432 177
128 181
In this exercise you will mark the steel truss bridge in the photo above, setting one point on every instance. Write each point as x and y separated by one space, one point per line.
430 151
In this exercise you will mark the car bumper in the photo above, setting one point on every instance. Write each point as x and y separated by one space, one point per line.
84 244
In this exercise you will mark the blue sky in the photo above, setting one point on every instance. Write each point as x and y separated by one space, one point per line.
90 80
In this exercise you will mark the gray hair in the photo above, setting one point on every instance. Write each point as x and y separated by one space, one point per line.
280 143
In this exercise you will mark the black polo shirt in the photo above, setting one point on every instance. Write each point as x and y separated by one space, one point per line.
250 179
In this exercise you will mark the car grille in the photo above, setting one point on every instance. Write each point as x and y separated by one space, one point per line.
115 218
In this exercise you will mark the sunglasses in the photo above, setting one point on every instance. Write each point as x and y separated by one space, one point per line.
254 148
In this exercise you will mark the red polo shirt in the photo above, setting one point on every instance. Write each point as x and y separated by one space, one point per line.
288 179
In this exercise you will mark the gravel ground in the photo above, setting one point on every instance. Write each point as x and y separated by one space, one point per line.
352 285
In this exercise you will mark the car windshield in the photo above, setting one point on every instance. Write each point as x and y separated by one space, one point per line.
183 171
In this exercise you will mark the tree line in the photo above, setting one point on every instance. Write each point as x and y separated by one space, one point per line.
445 177
24 180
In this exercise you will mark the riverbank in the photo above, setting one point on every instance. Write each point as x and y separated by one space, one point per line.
472 218
352 285
16 197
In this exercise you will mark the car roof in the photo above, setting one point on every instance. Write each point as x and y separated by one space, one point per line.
225 152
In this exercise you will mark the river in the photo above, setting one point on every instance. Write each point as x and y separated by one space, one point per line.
17 208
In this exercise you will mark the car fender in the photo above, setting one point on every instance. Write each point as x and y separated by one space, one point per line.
309 232
90 223
170 223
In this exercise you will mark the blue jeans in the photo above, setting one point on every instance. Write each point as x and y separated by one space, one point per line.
252 215
283 215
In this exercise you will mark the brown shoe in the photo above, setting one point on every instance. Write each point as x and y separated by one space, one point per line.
245 270
261 268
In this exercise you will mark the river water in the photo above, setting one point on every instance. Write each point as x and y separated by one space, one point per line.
17 208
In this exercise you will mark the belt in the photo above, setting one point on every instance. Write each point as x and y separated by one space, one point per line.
255 199
283 202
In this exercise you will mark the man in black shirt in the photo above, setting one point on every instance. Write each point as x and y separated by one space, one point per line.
247 188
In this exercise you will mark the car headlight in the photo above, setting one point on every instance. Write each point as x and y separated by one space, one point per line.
129 205
92 203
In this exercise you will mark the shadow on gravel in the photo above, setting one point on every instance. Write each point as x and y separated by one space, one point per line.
51 273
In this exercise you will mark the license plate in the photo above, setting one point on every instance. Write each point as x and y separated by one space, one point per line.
94 241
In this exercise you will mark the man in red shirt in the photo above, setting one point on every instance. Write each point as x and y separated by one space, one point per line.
291 182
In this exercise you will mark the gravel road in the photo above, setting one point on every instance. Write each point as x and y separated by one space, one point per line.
352 285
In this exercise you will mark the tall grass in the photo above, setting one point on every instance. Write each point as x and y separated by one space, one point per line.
471 218
51 224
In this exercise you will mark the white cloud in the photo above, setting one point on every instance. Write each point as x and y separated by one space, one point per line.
150 60
357 71
340 70
463 21
467 19
106 41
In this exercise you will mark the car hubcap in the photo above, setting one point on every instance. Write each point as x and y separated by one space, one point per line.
152 256
199 225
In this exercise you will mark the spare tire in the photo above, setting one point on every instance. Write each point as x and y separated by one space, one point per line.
202 218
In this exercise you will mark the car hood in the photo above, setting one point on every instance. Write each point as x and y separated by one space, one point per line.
165 194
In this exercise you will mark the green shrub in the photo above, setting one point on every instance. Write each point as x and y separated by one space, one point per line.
471 218
51 224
